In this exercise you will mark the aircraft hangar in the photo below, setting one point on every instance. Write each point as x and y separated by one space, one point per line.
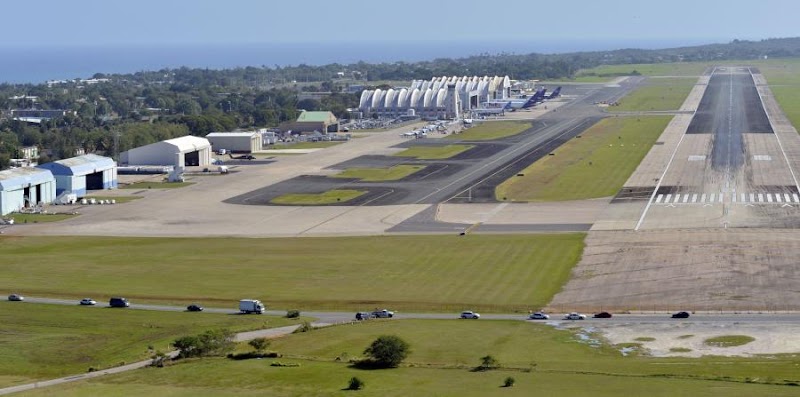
178 152
78 174
24 188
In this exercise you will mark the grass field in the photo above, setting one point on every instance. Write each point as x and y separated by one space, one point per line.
329 197
434 152
380 174
595 165
45 341
155 185
543 361
310 145
658 94
783 77
609 72
490 130
37 218
437 273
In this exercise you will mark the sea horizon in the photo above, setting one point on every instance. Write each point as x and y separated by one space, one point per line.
35 65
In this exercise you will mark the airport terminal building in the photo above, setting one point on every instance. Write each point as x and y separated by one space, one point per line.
438 98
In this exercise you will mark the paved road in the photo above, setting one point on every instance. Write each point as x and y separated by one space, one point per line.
325 318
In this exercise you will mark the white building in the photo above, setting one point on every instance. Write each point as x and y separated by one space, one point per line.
78 174
238 142
440 97
24 188
178 152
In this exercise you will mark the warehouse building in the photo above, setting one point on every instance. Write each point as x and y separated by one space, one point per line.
438 98
78 174
237 142
185 151
25 188
308 121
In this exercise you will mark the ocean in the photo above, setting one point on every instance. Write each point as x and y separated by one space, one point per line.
39 64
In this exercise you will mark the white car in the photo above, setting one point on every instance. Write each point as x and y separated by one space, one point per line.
538 316
88 302
470 315
575 316
382 314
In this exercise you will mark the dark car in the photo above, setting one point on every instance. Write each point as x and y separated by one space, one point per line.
363 316
602 315
118 302
194 308
681 315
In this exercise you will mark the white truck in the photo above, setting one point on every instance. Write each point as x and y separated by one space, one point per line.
247 306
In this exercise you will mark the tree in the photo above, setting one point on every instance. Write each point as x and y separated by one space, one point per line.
209 343
488 362
260 344
355 384
388 351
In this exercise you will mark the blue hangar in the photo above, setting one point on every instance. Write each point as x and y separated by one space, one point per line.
78 174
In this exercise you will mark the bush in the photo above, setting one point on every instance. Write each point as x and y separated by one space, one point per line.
252 355
509 382
305 327
280 364
293 314
260 344
387 351
209 343
355 384
487 363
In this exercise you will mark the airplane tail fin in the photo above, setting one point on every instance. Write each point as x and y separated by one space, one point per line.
555 93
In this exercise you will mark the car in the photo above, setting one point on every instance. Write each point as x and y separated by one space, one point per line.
363 316
538 316
118 302
382 314
194 308
681 315
575 316
16 298
88 302
470 315
602 315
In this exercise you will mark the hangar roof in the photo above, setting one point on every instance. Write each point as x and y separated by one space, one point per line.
189 143
80 165
232 134
318 117
17 178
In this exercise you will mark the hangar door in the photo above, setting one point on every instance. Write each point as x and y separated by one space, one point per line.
94 181
191 159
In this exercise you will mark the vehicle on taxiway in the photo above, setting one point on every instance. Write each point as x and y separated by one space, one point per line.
575 316
468 314
681 315
538 316
87 302
382 314
194 308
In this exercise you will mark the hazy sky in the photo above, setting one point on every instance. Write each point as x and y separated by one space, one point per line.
151 22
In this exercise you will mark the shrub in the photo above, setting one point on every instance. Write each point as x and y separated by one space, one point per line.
209 343
293 314
280 364
387 351
488 362
260 344
305 327
509 382
355 384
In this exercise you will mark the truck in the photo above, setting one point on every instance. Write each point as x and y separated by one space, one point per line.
247 306
382 313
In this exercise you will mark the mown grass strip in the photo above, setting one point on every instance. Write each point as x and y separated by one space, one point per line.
330 197
595 165
380 174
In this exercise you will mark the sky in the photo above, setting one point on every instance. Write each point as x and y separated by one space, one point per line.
84 23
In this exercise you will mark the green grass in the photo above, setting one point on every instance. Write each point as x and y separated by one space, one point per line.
645 339
595 165
490 130
729 340
657 94
330 197
434 152
380 174
40 341
420 273
310 145
38 218
544 361
155 185
688 336
609 72
679 350
783 77
118 199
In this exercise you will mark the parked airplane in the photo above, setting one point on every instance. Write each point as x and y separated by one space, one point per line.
554 94
242 157
523 103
